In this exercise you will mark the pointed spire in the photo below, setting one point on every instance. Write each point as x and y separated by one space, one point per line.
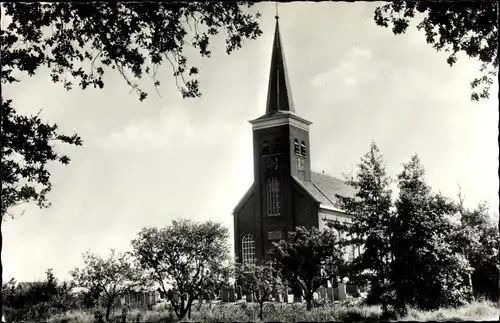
279 96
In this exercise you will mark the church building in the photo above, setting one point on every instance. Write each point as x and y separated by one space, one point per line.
285 193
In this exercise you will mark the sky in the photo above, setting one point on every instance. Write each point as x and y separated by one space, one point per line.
146 164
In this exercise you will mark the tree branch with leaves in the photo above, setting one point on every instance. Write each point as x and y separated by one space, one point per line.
112 278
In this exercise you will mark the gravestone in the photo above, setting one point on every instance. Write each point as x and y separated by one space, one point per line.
315 295
232 296
239 292
225 295
330 294
342 291
290 298
322 292
297 298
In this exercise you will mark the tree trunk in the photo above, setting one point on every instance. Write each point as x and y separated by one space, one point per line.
309 298
261 304
108 308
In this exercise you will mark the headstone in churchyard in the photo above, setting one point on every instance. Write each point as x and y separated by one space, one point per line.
322 292
232 296
238 292
290 298
225 295
315 295
336 293
329 283
277 296
329 293
342 291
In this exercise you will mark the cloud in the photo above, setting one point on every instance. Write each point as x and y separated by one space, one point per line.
355 68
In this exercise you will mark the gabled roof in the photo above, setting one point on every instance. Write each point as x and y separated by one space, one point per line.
323 188
244 199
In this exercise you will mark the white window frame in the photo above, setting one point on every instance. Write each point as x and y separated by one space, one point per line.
248 249
273 196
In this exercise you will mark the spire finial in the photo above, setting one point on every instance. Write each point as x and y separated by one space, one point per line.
277 16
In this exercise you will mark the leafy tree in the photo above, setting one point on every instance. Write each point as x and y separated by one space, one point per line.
133 38
429 270
193 258
477 237
261 281
34 301
466 26
111 278
308 259
371 227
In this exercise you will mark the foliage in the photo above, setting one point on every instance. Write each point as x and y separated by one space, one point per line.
372 223
308 259
469 27
477 238
27 147
132 38
192 258
429 272
110 278
261 281
32 301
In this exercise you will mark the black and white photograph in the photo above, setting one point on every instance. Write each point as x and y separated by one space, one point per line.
206 161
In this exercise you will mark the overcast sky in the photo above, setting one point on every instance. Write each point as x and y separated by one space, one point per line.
145 164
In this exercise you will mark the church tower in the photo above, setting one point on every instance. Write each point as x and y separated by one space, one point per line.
281 152
285 192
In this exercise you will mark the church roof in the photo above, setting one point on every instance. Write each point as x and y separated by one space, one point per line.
279 94
324 187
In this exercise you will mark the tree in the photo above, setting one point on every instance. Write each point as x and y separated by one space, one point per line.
79 42
261 281
430 271
477 237
35 301
111 278
372 222
469 27
193 258
308 259
133 38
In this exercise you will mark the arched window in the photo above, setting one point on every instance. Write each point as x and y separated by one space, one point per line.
273 197
265 148
296 147
303 149
248 250
276 146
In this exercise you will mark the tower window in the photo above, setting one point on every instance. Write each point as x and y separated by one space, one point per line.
303 149
276 146
248 250
265 148
273 197
296 147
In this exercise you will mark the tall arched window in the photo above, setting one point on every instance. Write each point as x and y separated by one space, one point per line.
265 148
296 147
248 250
273 197
303 149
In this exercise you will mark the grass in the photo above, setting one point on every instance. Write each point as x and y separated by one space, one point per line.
244 312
